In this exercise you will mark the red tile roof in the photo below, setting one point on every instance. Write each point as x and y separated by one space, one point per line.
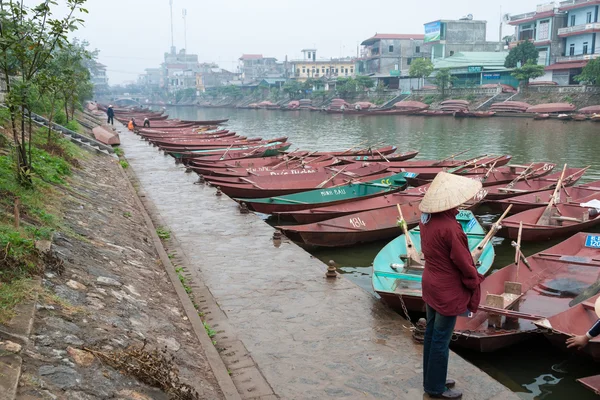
393 36
566 65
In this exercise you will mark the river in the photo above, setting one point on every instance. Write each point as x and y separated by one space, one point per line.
534 369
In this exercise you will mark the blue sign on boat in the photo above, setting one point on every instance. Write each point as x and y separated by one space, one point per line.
592 241
471 224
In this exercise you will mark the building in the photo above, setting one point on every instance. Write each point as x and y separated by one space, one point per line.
580 39
477 68
444 38
311 67
180 70
153 79
98 77
541 27
389 55
213 76
254 67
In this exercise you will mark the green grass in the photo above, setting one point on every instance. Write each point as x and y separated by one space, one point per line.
127 214
163 233
124 164
211 333
13 293
119 151
183 280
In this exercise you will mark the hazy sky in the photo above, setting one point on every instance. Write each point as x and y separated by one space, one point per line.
133 34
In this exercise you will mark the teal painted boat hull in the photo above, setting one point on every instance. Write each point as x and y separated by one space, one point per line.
400 283
328 196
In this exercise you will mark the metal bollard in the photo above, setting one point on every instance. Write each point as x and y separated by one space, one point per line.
188 170
277 235
244 210
219 193
418 333
331 270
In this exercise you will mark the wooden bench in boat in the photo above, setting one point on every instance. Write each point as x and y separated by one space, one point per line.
512 190
495 303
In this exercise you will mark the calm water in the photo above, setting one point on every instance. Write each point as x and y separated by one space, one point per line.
535 370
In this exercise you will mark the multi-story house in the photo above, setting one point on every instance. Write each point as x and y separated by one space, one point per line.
311 67
541 27
390 54
443 38
581 32
98 77
254 67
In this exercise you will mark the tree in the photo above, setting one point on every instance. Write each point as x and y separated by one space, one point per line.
443 79
420 68
345 87
364 82
520 55
28 37
292 88
527 72
590 73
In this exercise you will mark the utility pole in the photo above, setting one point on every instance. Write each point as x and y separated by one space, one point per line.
184 30
171 7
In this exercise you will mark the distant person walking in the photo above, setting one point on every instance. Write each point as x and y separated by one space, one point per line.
450 278
111 115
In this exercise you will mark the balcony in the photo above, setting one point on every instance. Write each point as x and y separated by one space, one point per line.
580 57
544 42
579 29
571 4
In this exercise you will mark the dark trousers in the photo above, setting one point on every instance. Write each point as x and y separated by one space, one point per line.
111 120
436 351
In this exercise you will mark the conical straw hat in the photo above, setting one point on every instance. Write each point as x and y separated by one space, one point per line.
448 191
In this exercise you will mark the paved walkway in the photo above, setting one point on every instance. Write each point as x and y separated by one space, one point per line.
285 329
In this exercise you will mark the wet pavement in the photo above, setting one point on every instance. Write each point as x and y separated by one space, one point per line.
302 336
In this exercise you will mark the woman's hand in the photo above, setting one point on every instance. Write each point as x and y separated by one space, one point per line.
578 342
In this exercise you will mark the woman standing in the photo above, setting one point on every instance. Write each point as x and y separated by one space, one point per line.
450 279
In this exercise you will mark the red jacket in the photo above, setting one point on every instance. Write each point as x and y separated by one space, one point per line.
450 280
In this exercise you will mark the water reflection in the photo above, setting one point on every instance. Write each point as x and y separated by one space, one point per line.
533 369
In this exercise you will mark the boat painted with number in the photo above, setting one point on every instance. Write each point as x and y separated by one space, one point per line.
527 294
318 198
398 283
223 150
378 158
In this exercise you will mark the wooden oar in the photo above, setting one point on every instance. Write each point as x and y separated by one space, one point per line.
353 147
451 157
493 160
250 182
518 250
466 163
227 151
478 251
320 185
545 217
411 251
522 175
384 157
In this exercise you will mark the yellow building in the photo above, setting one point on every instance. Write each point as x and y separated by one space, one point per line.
310 67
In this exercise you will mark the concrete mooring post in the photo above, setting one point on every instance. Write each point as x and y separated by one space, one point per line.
331 270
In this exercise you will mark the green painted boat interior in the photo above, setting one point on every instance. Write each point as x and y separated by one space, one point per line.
389 274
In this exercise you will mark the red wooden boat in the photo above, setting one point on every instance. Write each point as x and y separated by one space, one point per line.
211 144
576 320
503 191
251 191
592 383
566 219
507 313
351 229
139 118
363 152
168 124
540 199
497 176
292 168
248 162
348 171
377 158
208 122
225 154
435 166
338 210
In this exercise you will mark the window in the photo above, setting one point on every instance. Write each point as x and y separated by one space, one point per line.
323 70
572 49
573 19
418 49
585 47
391 49
588 18
451 52
543 32
408 61
527 32
351 70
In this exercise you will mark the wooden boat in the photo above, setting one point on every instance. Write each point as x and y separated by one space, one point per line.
280 146
540 199
435 166
363 152
395 278
232 160
576 320
541 116
513 297
377 158
564 117
216 144
208 122
348 171
250 190
320 198
595 118
338 210
250 164
220 155
579 117
292 168
434 113
352 229
491 176
565 219
503 191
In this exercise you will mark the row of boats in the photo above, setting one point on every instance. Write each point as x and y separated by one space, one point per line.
367 193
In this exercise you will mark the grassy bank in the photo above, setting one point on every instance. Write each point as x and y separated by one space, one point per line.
53 160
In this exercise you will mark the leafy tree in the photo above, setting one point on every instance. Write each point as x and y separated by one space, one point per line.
293 89
364 82
231 91
523 53
590 73
420 68
345 87
527 72
275 94
28 37
443 79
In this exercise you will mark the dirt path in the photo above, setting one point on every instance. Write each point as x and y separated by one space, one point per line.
113 293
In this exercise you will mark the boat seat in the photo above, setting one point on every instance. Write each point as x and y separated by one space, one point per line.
512 190
512 293
518 166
